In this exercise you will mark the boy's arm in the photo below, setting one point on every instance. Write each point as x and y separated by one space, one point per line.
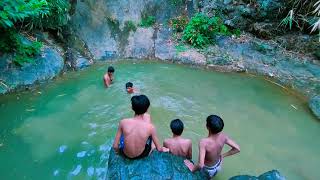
235 148
106 81
202 153
117 138
165 143
189 156
156 140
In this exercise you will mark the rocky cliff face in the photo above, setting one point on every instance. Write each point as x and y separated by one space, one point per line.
106 26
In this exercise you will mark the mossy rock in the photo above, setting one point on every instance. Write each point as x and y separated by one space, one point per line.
156 166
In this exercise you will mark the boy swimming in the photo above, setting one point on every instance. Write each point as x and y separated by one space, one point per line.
108 77
135 135
210 148
130 89
177 145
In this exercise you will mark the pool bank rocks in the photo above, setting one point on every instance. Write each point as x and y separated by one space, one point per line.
46 66
271 175
314 105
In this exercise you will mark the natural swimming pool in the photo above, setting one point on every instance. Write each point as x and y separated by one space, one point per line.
65 129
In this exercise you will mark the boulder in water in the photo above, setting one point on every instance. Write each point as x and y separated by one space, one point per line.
156 166
271 175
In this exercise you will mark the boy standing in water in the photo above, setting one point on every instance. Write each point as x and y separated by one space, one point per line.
135 135
210 148
177 145
108 77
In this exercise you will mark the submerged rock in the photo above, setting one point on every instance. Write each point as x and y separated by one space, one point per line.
314 105
156 166
46 66
271 175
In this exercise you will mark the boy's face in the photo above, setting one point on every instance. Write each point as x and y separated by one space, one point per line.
110 74
130 90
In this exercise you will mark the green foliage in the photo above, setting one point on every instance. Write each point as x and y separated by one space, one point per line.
302 15
18 14
23 49
147 21
289 20
13 11
179 23
177 2
180 48
56 17
130 26
201 29
26 52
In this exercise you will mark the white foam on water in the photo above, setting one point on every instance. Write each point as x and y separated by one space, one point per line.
92 133
84 142
93 125
104 147
100 171
62 148
76 171
56 172
90 171
81 154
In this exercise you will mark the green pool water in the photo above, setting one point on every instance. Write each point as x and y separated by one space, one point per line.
64 130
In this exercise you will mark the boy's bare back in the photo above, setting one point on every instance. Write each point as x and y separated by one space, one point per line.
179 146
213 146
136 132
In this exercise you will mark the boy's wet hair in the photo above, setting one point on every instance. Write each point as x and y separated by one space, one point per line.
140 104
110 69
214 124
176 126
129 84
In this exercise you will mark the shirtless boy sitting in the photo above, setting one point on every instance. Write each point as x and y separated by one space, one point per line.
210 148
177 145
135 135
108 77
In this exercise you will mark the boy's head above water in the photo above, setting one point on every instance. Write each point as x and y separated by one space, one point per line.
110 70
129 87
214 124
176 126
140 104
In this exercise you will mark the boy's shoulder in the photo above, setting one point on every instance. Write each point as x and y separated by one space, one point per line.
187 140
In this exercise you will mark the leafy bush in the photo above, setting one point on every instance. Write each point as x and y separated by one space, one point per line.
18 14
130 26
301 14
13 11
177 2
201 29
24 50
147 21
179 23
56 17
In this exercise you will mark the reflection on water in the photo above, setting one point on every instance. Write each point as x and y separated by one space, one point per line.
65 130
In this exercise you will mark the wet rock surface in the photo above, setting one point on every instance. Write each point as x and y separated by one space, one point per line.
102 25
46 66
314 105
271 175
156 166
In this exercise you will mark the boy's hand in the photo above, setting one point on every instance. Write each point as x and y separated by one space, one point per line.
189 165
164 149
